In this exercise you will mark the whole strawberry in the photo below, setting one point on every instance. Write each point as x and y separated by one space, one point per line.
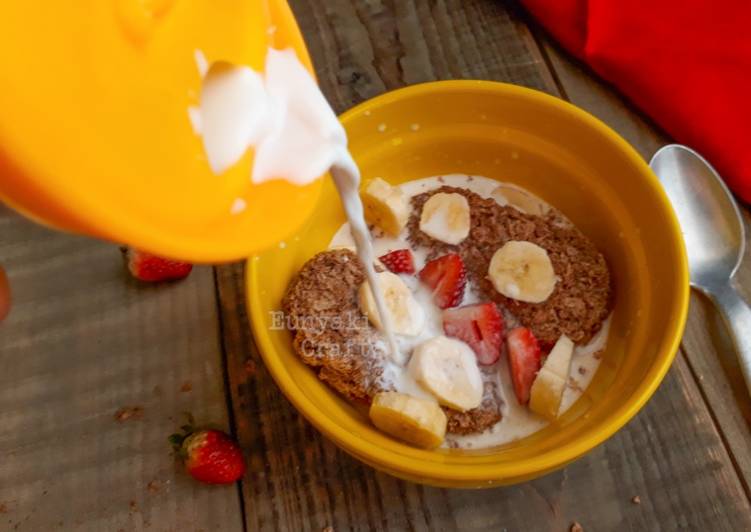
151 268
210 455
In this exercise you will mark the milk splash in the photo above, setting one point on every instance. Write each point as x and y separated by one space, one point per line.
282 114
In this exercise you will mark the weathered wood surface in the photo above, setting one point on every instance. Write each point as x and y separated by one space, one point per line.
84 341
672 455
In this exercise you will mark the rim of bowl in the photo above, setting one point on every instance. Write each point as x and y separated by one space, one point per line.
527 467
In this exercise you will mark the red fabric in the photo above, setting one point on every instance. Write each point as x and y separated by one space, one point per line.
686 63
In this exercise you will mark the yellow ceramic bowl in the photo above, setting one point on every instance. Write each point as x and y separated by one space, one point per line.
569 159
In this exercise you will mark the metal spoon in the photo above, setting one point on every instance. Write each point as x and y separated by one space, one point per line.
714 234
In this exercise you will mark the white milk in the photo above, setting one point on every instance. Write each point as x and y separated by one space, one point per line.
282 114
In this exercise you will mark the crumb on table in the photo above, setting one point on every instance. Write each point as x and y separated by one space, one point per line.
129 412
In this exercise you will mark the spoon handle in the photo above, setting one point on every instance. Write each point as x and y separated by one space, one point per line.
737 314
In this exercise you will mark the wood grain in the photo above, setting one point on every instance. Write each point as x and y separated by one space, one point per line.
706 344
84 340
671 455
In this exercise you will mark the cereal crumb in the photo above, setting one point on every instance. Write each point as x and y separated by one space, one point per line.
154 486
576 527
3 508
186 387
582 370
597 356
574 385
133 506
250 367
635 499
128 412
328 529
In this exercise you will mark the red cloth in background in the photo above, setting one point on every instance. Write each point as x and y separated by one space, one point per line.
686 63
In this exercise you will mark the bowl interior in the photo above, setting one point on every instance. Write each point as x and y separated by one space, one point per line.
570 160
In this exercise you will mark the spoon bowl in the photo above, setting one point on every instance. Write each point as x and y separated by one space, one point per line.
709 217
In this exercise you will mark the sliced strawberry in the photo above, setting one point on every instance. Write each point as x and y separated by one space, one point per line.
525 359
479 326
399 261
447 276
147 267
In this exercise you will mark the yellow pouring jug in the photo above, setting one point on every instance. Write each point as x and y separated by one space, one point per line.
95 135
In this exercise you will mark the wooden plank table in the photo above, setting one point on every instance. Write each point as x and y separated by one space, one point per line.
84 341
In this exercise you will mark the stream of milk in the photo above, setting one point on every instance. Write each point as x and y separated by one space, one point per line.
282 114
346 176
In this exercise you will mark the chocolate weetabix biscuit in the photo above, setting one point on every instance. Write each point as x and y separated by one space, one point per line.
330 332
582 297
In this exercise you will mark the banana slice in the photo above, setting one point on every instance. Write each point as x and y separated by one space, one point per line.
406 315
448 369
522 271
408 418
445 217
548 386
385 206
520 199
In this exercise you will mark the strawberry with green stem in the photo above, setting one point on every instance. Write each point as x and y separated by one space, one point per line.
210 455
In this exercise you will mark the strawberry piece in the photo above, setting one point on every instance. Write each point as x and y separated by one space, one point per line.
479 326
399 261
525 359
447 276
210 455
147 267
